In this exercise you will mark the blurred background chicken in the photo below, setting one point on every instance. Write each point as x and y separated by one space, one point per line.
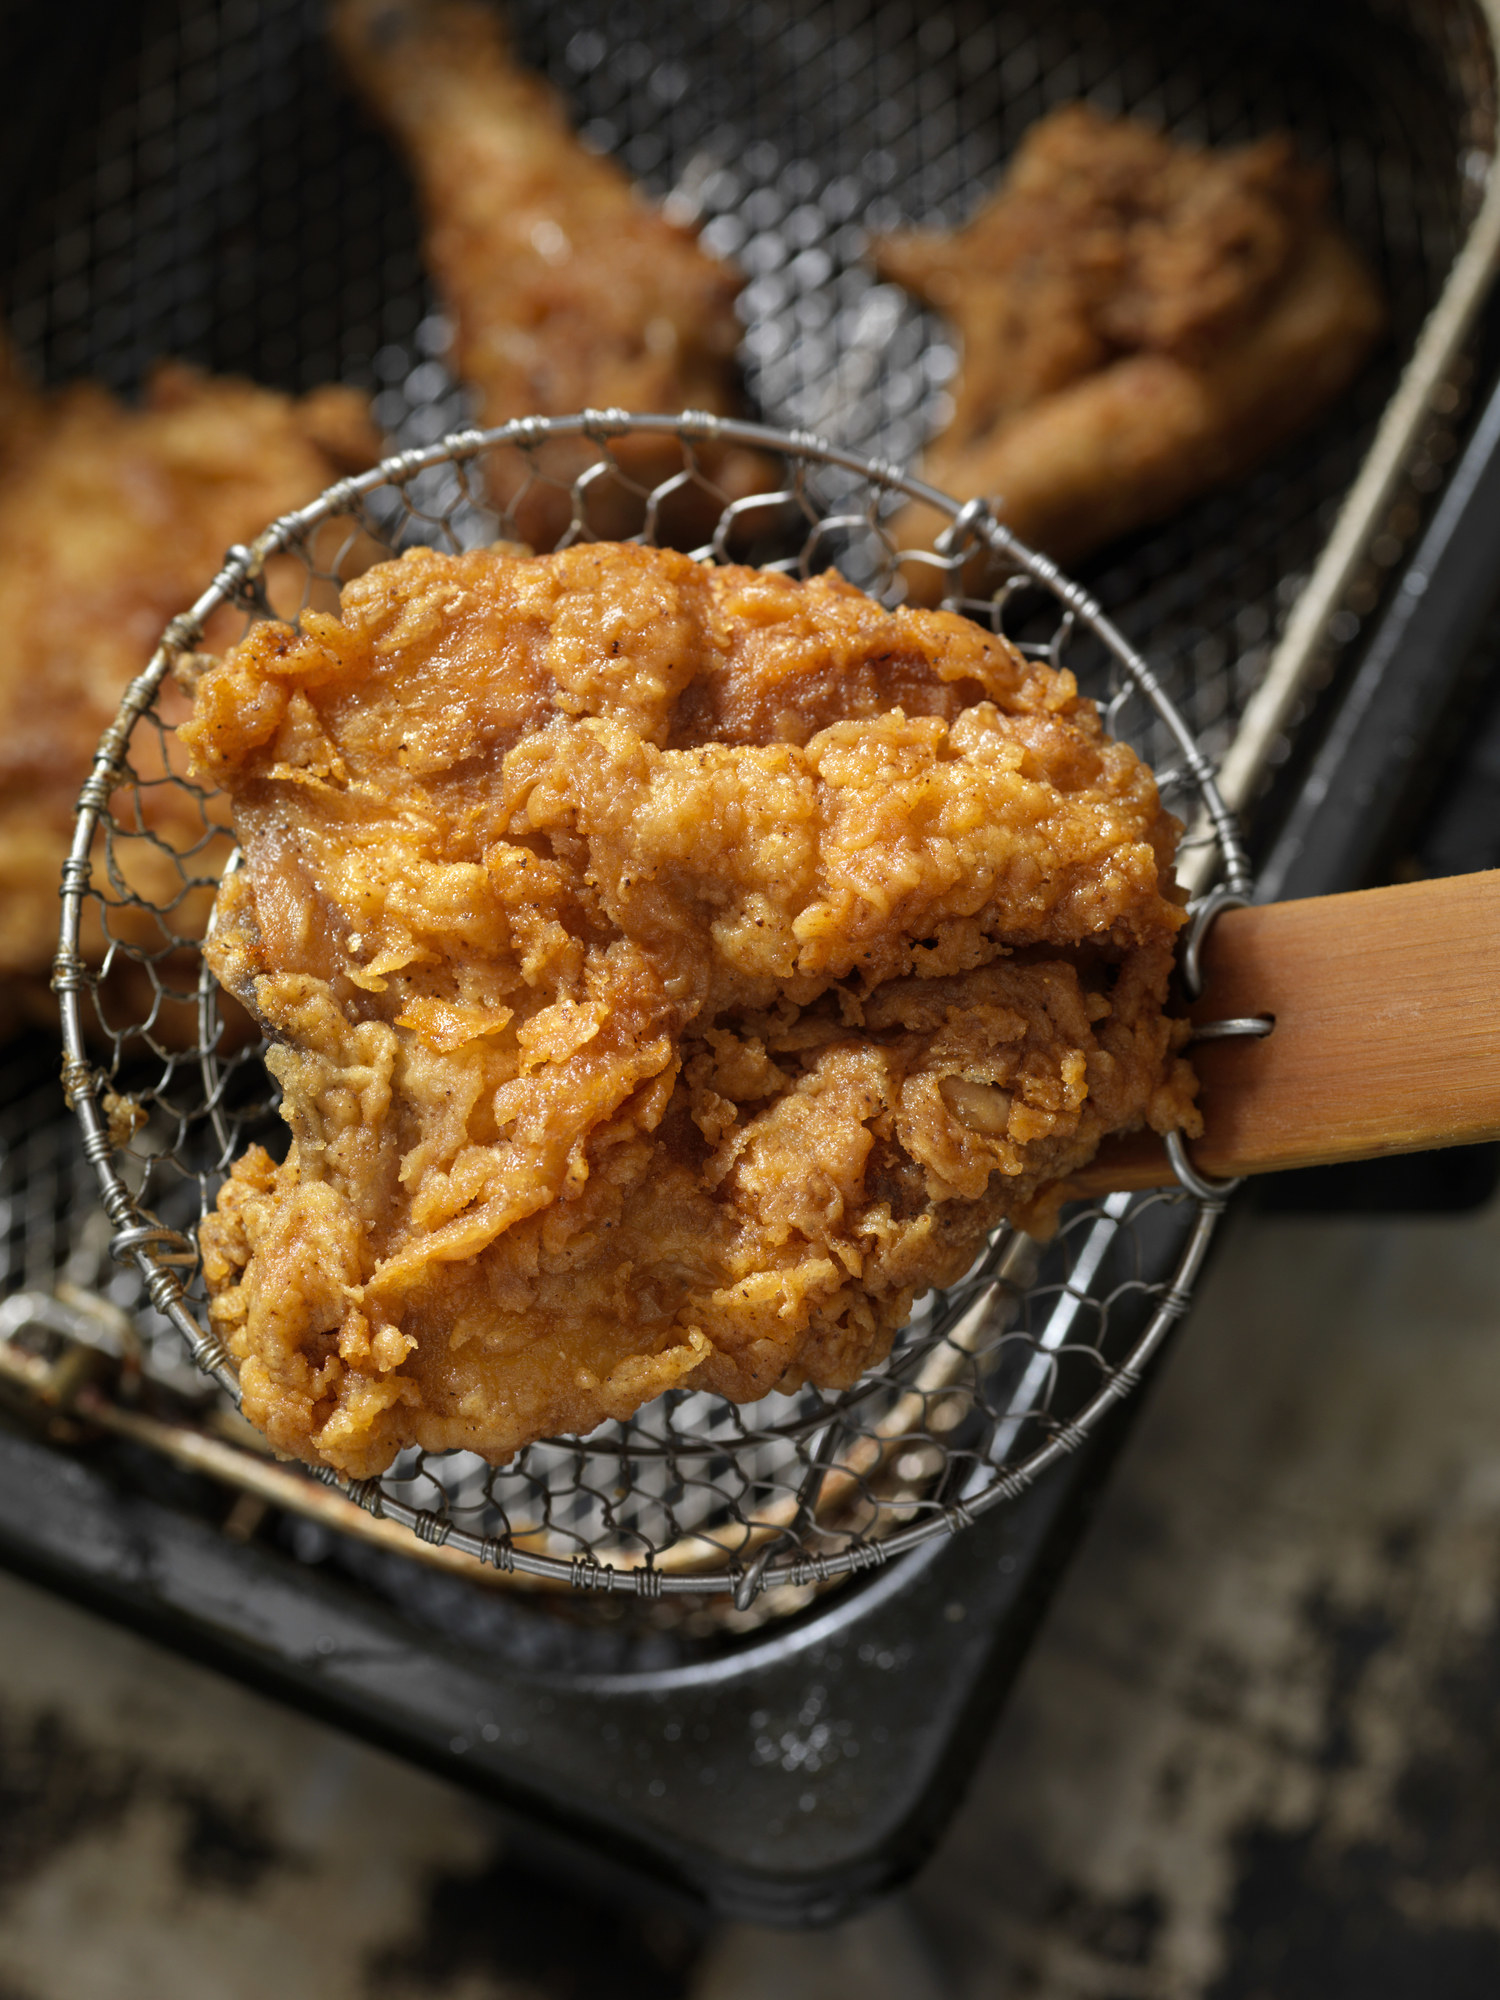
112 520
1140 320
568 290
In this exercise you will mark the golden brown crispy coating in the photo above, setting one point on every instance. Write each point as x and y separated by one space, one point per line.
1140 320
673 971
112 520
567 289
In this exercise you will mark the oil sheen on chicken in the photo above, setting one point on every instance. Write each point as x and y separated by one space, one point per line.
672 970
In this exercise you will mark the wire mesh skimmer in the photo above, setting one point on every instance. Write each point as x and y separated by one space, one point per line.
989 1383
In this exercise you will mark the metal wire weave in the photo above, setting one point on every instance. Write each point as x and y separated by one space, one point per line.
990 1383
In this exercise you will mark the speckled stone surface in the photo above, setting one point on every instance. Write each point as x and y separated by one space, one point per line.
167 1835
1255 1754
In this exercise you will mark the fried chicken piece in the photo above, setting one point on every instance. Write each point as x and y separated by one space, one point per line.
567 290
671 969
1140 321
112 520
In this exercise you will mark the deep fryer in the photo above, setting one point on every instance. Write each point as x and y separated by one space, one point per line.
201 185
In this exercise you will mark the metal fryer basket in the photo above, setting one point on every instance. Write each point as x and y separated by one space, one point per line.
211 193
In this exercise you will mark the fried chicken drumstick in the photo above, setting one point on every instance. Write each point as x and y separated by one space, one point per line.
111 520
1139 320
567 289
671 971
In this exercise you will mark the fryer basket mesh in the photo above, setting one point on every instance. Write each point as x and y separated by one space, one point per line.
218 195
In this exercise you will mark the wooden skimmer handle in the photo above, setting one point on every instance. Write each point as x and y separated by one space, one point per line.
1387 1035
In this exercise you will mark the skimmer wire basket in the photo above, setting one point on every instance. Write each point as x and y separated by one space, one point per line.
990 1382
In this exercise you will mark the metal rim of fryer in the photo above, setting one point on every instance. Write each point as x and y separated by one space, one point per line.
160 1253
1294 665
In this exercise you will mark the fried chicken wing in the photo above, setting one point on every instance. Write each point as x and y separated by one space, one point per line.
111 521
567 289
1139 320
671 971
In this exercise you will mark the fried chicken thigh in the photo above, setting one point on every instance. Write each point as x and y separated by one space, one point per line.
671 971
112 520
1140 320
567 289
